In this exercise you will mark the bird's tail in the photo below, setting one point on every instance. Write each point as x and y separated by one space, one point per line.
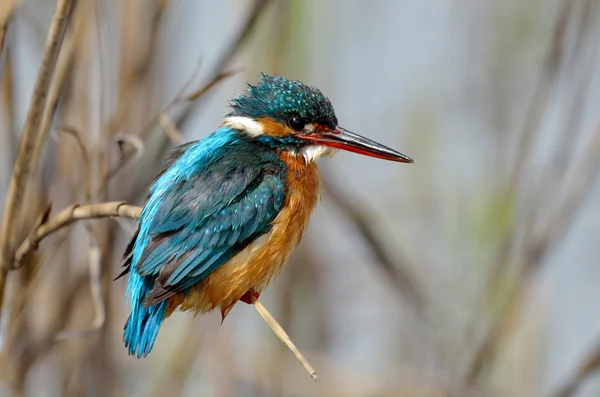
143 323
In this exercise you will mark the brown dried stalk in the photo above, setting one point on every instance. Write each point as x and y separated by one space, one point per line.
25 163
120 209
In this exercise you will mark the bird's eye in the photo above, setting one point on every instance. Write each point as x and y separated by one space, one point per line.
296 123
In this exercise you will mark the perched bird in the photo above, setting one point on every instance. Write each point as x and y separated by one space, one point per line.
224 216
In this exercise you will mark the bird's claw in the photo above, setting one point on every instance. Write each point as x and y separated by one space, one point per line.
250 296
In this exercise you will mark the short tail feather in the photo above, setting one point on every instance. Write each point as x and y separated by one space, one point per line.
142 326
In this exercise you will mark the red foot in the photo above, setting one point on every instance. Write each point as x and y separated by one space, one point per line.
250 296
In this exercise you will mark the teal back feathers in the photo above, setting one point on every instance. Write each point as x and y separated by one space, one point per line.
214 198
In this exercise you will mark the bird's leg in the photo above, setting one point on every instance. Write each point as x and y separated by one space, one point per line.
250 296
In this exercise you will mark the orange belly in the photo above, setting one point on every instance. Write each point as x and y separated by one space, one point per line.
260 262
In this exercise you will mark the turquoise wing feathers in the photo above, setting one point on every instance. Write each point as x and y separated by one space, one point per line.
215 197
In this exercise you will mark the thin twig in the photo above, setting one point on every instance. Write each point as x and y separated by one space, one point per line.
130 156
85 155
213 82
95 256
257 9
283 336
25 162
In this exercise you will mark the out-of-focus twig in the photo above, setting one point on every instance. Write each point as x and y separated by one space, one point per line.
545 83
170 129
95 261
238 41
395 267
25 163
585 174
487 349
7 9
539 245
590 364
85 155
203 90
133 153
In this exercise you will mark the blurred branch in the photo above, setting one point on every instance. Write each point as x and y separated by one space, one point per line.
590 365
120 209
538 247
25 162
237 42
85 155
133 153
396 268
203 90
132 77
534 249
531 126
542 92
170 129
95 256
7 9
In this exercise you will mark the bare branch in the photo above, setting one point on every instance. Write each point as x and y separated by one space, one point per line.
95 256
69 215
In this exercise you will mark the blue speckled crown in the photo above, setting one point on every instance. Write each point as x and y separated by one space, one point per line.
280 99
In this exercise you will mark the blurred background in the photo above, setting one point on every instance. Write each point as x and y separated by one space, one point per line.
473 272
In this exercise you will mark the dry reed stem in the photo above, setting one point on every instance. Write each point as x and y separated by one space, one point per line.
283 336
25 163
121 209
63 65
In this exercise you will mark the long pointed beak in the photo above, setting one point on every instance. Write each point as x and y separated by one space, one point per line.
341 138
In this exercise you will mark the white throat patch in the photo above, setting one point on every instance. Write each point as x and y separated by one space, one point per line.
312 152
245 124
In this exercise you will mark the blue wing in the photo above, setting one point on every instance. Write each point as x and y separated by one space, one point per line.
207 206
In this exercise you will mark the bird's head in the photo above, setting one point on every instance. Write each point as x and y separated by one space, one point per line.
289 115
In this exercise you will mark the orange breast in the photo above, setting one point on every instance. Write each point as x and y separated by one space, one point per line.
261 261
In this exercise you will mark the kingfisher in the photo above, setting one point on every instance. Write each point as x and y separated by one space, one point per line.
222 218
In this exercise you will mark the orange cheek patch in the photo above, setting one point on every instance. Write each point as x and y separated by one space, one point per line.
320 128
274 128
